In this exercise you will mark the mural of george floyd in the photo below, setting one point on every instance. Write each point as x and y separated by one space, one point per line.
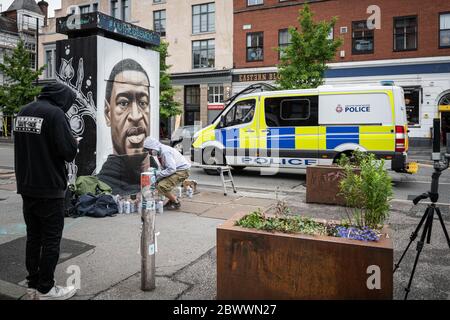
117 87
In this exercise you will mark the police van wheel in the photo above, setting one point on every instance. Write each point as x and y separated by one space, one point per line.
213 157
348 154
211 172
238 168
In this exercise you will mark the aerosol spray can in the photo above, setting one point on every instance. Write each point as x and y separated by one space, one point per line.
133 204
189 192
127 207
160 206
120 205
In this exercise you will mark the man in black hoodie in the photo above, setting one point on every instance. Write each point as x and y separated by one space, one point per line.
43 142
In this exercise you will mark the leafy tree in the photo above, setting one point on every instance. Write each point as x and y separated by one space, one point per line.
303 61
20 87
168 106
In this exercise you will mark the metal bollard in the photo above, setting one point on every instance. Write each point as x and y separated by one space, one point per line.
148 267
148 245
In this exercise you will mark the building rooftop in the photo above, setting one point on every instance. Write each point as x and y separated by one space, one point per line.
29 5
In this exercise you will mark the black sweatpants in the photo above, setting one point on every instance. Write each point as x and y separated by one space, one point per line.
45 223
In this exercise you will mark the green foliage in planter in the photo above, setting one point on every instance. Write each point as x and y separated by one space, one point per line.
285 224
368 192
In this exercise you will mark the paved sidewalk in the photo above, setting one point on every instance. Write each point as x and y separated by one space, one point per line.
106 250
110 265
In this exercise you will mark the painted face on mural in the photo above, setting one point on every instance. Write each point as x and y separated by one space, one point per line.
127 111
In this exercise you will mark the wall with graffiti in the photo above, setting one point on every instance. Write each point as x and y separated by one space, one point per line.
77 68
117 106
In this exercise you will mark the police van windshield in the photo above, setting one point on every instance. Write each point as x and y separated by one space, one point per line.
240 113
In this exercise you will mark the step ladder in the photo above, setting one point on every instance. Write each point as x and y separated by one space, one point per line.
221 170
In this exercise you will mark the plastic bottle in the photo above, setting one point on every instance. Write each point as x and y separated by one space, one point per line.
180 192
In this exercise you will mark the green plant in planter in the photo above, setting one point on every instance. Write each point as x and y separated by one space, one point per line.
368 192
282 223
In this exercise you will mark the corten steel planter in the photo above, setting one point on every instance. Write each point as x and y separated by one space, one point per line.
253 264
322 185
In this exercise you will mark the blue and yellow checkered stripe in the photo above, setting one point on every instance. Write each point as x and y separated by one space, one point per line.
340 135
376 138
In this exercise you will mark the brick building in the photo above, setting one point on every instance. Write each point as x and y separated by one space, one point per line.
411 47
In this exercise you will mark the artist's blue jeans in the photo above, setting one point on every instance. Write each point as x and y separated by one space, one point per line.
45 223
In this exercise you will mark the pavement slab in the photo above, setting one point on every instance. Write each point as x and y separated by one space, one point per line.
226 212
197 208
215 198
129 289
259 202
201 275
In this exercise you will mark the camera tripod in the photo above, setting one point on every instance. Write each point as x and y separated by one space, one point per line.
427 219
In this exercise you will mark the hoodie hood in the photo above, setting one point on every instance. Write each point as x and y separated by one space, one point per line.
58 94
152 144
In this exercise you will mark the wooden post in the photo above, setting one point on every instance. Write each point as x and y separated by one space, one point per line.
148 249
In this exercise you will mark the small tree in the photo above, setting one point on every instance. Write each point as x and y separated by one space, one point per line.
303 61
168 106
19 88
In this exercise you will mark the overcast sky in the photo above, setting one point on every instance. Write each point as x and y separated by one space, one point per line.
53 4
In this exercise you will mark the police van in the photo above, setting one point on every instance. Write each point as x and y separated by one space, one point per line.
299 128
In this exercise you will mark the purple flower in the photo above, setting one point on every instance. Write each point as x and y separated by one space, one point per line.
361 234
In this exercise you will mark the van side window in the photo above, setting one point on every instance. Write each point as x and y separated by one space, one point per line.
242 112
292 112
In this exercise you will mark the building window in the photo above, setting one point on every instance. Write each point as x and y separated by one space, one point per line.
159 1
215 93
50 61
412 103
444 30
203 18
94 7
254 2
159 22
284 39
362 38
121 10
85 9
203 53
115 9
31 47
191 105
405 33
255 46
126 10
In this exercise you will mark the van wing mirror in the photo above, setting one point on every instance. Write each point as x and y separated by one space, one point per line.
222 121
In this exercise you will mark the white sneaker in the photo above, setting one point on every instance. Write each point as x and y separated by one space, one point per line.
31 294
57 293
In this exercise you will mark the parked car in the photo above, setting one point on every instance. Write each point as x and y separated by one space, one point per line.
181 138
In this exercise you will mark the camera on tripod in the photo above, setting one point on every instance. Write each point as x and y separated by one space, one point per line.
441 163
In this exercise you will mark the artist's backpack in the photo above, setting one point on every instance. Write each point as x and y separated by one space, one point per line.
96 206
